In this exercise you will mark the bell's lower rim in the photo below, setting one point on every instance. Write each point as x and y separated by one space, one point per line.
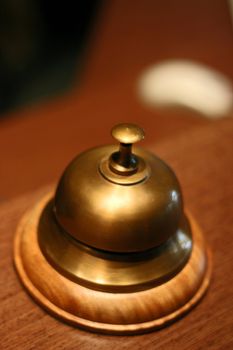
106 271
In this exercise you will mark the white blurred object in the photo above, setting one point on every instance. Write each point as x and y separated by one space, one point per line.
188 84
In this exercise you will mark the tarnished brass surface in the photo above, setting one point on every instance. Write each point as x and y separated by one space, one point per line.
111 271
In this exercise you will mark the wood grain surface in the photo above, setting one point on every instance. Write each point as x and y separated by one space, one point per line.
202 160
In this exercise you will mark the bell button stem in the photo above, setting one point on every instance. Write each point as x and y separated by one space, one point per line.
123 162
125 155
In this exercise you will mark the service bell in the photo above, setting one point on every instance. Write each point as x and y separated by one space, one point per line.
113 250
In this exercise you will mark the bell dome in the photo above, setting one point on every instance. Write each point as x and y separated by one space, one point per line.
119 200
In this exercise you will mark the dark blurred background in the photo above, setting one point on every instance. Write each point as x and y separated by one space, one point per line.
41 47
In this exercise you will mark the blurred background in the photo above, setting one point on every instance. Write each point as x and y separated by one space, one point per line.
42 43
69 71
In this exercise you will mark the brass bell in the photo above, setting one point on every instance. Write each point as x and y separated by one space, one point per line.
112 250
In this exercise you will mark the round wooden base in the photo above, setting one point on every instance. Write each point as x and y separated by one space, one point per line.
119 313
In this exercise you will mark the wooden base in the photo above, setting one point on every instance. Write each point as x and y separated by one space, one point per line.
120 313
